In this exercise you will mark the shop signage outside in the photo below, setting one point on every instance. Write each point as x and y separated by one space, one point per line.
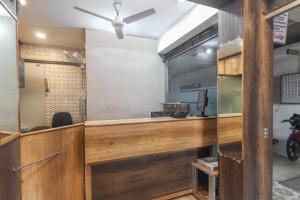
294 52
280 26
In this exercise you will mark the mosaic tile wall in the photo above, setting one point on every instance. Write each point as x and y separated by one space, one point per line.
67 84
48 53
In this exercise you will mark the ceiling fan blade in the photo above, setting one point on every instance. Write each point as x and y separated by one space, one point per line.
119 32
138 16
91 13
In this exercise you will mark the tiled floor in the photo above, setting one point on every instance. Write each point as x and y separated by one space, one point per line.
283 169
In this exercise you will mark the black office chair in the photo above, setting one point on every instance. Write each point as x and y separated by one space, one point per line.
61 119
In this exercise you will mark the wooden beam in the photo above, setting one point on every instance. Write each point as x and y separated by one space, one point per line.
282 9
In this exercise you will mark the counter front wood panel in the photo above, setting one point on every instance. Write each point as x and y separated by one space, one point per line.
146 177
61 177
121 141
9 180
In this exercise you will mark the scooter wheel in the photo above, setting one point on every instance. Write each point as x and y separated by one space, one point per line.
292 148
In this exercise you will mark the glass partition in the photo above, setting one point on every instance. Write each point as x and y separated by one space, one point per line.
191 72
9 120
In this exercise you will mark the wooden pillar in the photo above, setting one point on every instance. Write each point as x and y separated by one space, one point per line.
252 178
258 104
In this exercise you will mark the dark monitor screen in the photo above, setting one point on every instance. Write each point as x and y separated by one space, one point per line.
202 100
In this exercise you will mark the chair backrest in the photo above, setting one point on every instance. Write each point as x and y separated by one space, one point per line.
61 119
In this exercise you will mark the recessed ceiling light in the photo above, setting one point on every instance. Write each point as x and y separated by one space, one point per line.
23 2
40 35
181 1
208 51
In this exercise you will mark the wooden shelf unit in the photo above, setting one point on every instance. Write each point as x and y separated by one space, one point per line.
230 64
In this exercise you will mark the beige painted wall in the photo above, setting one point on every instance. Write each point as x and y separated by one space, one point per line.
125 78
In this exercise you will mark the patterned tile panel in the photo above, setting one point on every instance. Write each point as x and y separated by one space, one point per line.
66 90
67 84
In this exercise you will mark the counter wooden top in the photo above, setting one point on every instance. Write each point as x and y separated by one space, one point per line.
123 139
6 137
140 121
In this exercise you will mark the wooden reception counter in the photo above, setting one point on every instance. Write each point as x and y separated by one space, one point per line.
144 158
124 159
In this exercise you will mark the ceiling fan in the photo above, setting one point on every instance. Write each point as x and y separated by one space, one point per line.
118 22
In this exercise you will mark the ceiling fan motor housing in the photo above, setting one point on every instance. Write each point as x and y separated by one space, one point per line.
118 21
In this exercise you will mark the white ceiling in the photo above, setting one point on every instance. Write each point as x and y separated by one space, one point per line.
56 36
60 13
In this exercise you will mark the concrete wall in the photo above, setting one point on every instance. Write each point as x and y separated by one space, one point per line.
125 78
283 64
9 93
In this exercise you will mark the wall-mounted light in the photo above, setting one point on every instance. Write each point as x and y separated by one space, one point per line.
40 35
23 2
208 51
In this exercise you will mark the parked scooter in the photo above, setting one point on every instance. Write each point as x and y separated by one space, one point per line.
293 142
